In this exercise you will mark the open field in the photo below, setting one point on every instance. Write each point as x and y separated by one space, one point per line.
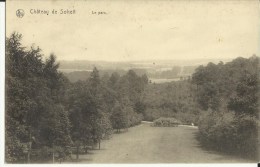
146 144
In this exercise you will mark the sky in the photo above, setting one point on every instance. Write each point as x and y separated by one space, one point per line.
139 29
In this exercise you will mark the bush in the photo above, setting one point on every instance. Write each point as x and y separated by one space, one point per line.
14 151
227 132
187 118
166 122
247 135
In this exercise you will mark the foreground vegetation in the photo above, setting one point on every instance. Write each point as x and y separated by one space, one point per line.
47 116
228 93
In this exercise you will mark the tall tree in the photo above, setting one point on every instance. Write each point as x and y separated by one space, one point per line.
32 92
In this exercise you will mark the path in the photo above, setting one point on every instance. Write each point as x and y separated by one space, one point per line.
146 144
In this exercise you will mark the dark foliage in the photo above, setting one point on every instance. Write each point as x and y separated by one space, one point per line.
230 94
35 115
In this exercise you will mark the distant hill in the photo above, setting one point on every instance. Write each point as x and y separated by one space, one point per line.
155 69
148 64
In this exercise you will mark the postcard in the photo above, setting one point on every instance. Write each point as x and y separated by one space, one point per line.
131 82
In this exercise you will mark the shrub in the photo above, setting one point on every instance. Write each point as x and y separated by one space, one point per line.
187 118
227 132
14 151
166 122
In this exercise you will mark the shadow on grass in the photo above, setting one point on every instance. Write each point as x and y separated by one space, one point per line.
224 151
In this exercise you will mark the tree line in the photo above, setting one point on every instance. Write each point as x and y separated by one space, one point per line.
47 115
175 99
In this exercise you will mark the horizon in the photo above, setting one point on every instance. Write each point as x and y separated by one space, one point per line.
148 60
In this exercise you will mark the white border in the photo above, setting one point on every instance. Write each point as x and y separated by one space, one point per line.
2 80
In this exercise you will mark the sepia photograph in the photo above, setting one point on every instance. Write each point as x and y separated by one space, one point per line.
132 82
